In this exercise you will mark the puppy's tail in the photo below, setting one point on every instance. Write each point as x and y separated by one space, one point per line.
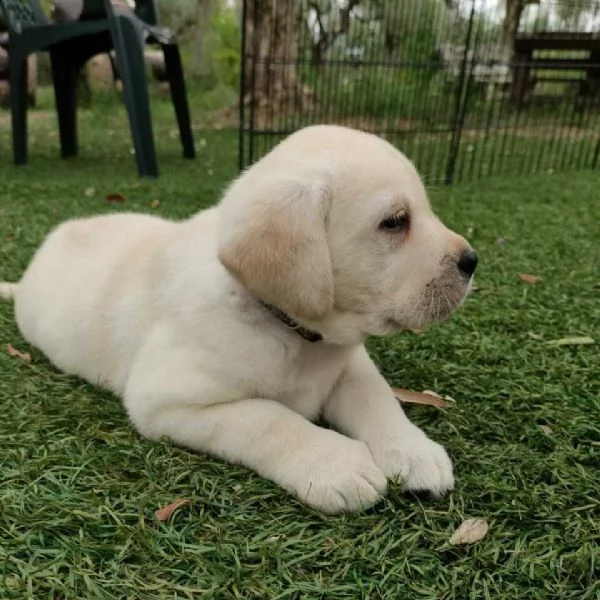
7 290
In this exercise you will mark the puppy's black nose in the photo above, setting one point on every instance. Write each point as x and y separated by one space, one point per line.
467 262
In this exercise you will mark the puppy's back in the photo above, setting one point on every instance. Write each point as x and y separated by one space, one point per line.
88 291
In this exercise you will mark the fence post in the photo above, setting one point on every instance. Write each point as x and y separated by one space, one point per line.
460 103
250 51
242 94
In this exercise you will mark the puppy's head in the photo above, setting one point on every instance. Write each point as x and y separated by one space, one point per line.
333 226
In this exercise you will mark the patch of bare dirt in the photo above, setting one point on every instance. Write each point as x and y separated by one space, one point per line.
34 116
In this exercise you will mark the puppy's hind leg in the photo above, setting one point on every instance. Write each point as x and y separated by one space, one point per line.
7 290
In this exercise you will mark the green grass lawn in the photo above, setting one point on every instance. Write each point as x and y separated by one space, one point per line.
78 487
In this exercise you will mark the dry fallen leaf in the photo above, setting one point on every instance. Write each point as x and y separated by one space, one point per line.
17 353
436 395
427 397
155 203
546 429
469 532
572 341
115 198
528 278
431 393
163 514
329 543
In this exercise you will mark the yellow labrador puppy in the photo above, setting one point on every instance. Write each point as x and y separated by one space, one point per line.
229 332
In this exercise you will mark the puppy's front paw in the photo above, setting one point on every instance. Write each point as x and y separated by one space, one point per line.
420 464
337 475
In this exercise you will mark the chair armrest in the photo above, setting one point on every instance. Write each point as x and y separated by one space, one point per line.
149 31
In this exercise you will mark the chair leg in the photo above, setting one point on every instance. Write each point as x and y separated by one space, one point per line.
179 97
18 105
132 69
64 77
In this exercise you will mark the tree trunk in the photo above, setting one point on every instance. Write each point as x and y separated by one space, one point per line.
272 41
510 26
204 10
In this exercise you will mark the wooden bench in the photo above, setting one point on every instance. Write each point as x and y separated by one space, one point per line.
525 47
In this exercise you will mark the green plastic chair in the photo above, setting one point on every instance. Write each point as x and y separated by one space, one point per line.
100 28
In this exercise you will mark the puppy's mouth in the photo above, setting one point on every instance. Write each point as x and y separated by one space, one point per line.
437 301
441 298
394 326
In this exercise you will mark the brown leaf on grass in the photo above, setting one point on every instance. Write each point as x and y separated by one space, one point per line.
546 429
445 398
115 198
469 532
18 354
427 397
155 203
528 278
329 543
583 340
163 514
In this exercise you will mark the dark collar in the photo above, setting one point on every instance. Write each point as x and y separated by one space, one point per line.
303 332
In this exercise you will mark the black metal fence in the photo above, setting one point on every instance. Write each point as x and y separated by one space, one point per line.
462 88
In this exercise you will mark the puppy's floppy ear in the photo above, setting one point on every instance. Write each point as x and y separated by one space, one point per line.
273 240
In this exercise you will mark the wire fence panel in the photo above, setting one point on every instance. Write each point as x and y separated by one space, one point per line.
465 88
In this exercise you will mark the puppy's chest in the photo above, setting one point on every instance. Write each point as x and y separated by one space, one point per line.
306 380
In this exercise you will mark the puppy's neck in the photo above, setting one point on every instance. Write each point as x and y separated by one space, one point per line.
308 334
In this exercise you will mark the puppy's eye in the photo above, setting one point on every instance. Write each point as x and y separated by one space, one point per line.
396 223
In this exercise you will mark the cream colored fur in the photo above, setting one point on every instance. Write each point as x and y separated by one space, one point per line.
166 315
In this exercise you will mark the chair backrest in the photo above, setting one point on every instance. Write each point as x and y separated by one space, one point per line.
92 9
20 14
147 11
